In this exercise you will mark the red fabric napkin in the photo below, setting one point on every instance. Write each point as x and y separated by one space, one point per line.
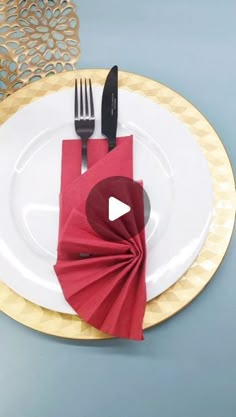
107 289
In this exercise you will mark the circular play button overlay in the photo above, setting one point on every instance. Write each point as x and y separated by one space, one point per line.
118 208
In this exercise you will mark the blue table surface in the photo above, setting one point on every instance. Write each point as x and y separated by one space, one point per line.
186 366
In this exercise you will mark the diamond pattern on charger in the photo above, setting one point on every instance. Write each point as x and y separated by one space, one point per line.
217 241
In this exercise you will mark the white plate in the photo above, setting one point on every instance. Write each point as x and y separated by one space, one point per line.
166 157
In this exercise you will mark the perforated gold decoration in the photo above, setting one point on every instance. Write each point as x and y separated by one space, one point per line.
8 75
37 38
210 256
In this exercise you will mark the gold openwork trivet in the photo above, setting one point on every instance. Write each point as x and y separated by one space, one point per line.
210 256
37 38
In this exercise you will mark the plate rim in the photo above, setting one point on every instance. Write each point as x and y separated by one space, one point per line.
210 256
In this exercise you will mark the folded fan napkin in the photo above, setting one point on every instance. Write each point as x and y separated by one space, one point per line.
107 289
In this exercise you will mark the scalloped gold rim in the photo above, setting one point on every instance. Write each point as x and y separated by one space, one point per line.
202 270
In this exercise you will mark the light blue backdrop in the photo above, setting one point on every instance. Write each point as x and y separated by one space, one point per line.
186 366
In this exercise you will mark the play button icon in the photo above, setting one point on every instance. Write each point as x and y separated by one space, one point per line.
118 208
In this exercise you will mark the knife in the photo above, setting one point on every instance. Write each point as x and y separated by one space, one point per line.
110 107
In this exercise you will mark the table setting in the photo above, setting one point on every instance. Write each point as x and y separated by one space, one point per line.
118 196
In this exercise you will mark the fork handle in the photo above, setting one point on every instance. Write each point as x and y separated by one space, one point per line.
84 154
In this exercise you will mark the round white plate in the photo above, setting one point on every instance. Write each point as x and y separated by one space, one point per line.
166 157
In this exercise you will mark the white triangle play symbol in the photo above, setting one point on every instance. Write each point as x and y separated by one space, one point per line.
116 209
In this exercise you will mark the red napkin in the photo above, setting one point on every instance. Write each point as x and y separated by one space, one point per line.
107 289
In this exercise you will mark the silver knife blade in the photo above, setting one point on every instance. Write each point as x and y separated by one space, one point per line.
110 107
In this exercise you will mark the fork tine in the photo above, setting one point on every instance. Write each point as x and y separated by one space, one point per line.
81 99
91 98
76 100
86 99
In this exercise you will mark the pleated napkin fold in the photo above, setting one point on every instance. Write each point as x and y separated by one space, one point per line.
106 287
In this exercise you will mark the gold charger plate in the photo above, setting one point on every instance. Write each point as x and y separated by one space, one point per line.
211 254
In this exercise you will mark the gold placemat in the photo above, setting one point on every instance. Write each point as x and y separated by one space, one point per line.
37 38
210 256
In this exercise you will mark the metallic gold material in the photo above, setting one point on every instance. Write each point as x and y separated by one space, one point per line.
37 38
8 76
210 256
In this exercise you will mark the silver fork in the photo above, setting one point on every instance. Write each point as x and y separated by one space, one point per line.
84 115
